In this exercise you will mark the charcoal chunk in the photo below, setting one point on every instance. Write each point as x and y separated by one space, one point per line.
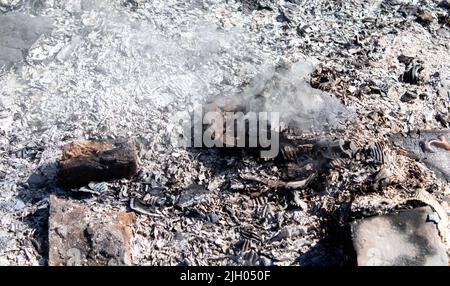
96 161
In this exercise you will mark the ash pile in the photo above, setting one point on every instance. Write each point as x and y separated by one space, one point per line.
91 99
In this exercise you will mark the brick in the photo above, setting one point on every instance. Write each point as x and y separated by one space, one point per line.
406 238
80 236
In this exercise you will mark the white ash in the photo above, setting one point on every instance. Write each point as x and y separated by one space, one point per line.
109 70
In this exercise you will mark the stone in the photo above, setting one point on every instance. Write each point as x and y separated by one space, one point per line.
18 32
81 236
405 238
96 161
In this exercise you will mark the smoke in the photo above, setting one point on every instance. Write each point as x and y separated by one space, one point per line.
108 70
287 90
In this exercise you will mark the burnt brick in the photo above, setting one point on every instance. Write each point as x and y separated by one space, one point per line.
80 236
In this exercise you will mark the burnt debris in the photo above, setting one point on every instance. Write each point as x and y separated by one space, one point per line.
345 76
96 161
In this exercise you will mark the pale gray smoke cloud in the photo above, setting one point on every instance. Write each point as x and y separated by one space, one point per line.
105 70
288 91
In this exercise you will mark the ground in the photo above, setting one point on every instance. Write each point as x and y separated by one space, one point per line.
132 69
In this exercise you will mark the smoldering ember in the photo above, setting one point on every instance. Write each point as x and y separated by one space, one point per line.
94 97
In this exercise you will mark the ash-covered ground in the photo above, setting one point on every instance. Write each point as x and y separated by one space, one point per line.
131 69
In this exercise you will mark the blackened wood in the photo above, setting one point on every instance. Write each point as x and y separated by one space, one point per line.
95 161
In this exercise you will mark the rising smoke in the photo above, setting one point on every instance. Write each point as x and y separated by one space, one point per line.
106 69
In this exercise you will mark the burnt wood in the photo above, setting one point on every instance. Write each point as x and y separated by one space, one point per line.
95 161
